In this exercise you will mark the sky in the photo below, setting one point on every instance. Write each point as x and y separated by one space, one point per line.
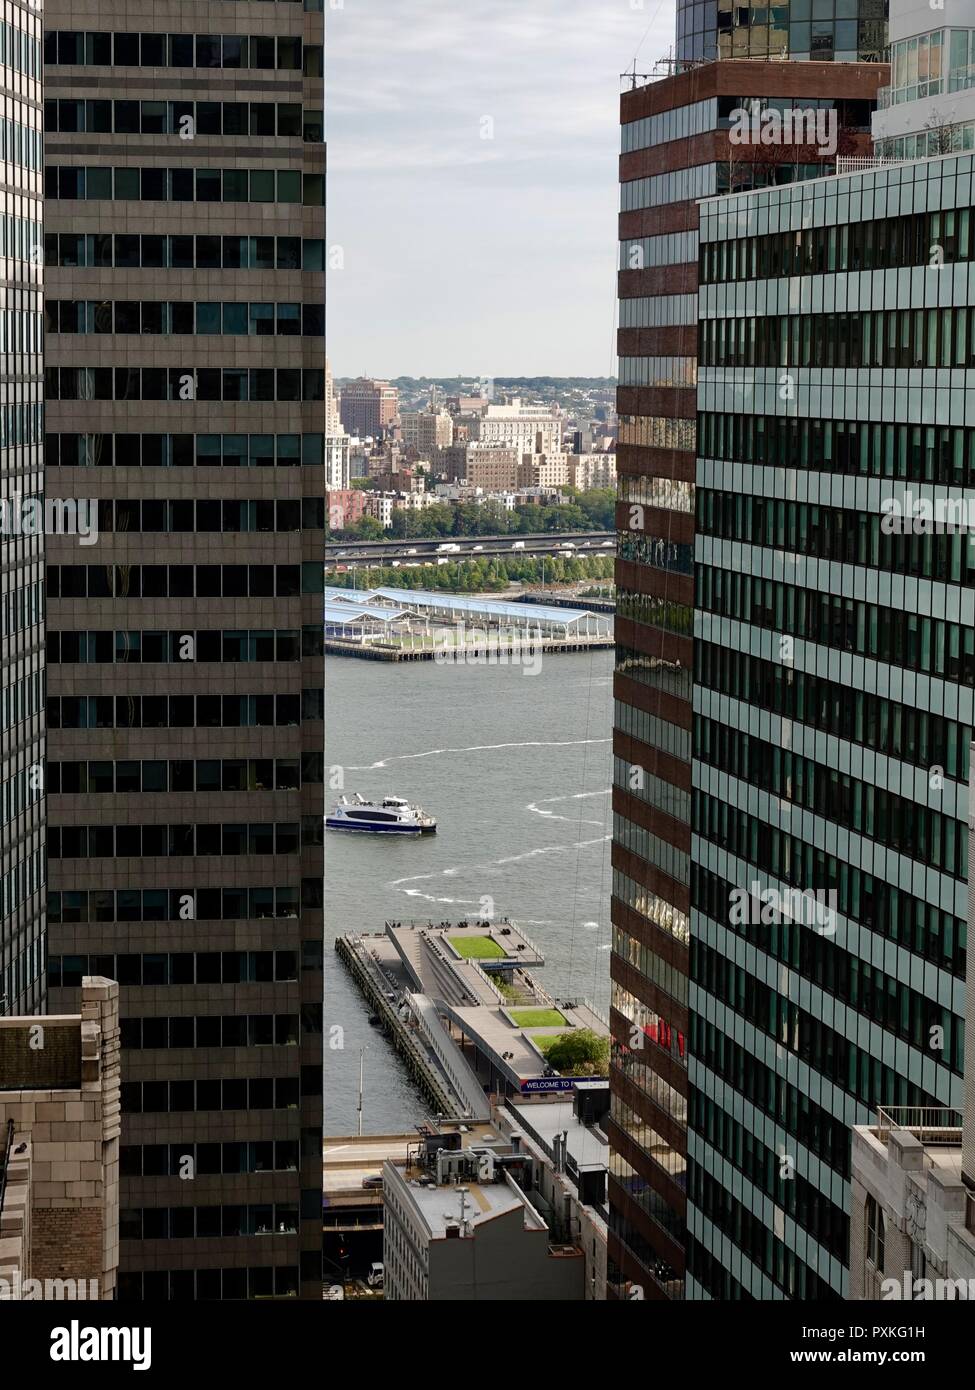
473 151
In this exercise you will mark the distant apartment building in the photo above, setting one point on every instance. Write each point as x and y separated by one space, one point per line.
59 1150
543 470
345 507
379 505
338 447
426 430
368 407
677 147
23 887
491 467
530 428
590 471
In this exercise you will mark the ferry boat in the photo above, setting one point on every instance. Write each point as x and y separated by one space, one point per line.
391 816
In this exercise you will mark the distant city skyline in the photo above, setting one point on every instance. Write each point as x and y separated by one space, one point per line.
473 183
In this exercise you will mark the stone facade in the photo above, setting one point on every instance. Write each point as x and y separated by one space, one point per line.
59 1217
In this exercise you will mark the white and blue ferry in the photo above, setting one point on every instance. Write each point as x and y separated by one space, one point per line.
391 816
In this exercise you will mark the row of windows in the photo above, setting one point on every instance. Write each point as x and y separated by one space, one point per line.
201 1285
924 144
705 180
210 1030
168 905
71 183
161 1097
22 608
155 251
178 775
204 645
183 450
651 491
673 862
678 123
756 1240
838 533
901 731
20 330
703 1265
657 371
651 907
922 238
655 791
161 841
231 516
919 453
643 1074
126 50
185 1223
763 1167
21 699
783 1102
208 1160
180 968
21 881
833 1055
187 384
183 581
658 310
18 792
656 612
172 711
20 238
885 338
654 1029
155 316
649 729
19 50
654 671
21 423
183 118
21 144
859 896
670 248
677 557
864 988
889 635
639 1190
664 976
655 1147
658 432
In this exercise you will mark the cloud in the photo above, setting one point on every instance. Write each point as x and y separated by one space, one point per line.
473 149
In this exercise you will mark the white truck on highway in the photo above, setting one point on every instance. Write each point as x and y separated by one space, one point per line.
448 548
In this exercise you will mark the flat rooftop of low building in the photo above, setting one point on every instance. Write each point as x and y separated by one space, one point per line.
551 1116
440 1207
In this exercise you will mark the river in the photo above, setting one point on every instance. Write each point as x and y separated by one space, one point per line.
516 769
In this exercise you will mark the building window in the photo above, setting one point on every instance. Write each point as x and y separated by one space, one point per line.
874 1223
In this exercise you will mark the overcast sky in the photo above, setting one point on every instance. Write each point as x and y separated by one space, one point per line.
472 167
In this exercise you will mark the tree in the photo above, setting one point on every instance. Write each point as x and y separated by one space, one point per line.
580 1053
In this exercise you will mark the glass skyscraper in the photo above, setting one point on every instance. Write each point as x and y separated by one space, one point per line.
847 31
834 675
22 888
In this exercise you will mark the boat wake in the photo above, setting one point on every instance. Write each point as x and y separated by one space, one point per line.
536 806
475 748
454 870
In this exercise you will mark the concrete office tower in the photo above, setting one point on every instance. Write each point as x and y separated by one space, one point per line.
834 666
368 408
59 1151
22 870
185 391
929 106
676 147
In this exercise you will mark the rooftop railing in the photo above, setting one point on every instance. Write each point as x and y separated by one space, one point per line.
930 1124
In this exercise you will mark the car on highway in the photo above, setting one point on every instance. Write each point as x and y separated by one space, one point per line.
604 544
412 550
375 1180
518 545
476 547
